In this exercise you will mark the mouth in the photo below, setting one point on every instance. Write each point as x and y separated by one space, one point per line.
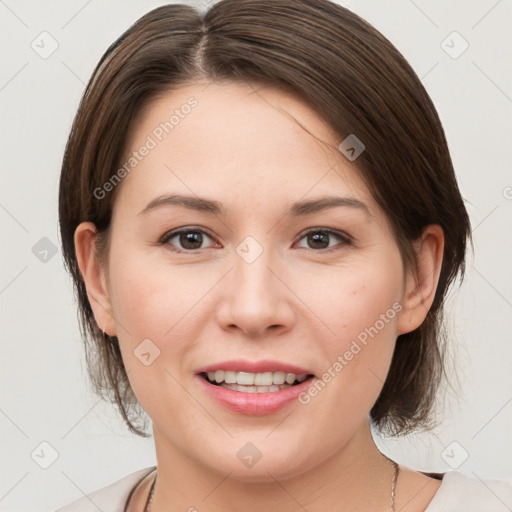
254 388
245 382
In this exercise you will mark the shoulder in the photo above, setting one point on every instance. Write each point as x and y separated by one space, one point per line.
459 492
112 497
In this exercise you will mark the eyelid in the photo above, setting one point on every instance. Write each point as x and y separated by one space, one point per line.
336 232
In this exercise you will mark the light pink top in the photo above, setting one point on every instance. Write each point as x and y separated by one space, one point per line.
457 493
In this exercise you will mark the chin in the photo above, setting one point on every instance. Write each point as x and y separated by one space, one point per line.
261 465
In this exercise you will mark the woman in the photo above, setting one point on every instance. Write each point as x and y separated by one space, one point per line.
261 218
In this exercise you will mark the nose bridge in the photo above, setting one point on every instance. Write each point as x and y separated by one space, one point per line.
258 298
252 275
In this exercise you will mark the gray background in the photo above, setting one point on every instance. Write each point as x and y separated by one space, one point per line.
45 395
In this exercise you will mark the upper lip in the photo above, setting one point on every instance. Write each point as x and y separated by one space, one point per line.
263 366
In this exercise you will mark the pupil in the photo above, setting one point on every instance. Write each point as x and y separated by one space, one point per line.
316 237
188 238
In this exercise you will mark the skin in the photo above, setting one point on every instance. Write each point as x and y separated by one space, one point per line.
297 302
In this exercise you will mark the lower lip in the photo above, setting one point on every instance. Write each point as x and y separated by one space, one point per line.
254 404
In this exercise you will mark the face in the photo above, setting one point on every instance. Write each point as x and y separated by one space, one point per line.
250 283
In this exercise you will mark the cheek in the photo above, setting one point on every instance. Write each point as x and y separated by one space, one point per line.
160 312
356 299
361 305
151 300
152 306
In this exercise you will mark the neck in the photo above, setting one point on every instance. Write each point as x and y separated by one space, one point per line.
356 477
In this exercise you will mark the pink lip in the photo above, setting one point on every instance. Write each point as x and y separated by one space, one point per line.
239 365
254 404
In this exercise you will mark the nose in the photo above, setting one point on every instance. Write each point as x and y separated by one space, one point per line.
258 298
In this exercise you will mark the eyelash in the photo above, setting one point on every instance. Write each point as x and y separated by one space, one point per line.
344 237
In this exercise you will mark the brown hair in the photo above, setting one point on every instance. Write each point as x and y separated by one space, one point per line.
353 77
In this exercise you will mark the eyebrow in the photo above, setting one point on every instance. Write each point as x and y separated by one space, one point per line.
300 208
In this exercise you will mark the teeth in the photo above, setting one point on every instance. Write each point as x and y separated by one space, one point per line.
255 380
245 379
230 377
290 378
254 389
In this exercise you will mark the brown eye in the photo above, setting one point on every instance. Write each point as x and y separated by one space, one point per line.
319 239
188 239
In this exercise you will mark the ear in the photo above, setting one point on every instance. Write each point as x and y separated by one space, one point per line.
420 289
94 277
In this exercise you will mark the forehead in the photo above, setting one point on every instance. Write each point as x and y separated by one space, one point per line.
234 141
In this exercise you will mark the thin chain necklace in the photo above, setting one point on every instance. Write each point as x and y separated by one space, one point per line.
396 470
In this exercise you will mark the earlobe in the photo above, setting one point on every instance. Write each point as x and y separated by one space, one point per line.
420 288
93 275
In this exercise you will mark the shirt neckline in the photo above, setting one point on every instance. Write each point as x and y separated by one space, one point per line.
135 487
